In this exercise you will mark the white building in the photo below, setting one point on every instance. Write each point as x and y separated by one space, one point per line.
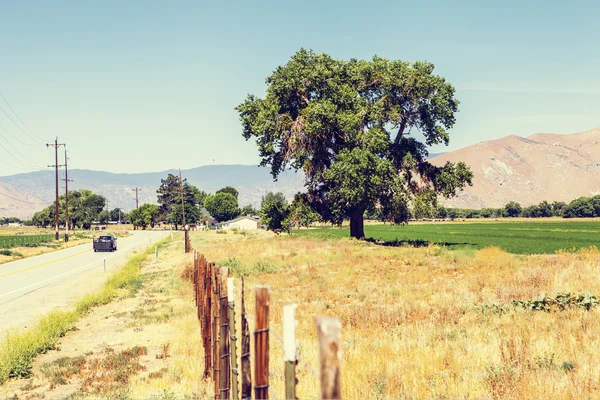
241 223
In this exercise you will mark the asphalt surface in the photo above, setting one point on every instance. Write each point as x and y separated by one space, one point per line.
31 287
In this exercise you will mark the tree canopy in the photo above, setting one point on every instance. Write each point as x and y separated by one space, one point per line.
274 212
222 206
169 200
359 130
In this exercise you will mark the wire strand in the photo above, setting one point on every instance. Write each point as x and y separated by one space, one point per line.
13 111
22 201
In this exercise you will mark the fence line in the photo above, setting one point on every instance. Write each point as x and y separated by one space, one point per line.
215 301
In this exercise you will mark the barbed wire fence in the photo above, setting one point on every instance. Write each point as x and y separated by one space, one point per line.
216 309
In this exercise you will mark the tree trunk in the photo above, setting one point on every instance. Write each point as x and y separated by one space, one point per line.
357 225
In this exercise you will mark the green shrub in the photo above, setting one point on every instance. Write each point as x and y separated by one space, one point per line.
235 266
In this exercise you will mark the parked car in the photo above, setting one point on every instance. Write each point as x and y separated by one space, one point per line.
105 243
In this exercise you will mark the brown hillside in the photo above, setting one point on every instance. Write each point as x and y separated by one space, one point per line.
9 207
529 170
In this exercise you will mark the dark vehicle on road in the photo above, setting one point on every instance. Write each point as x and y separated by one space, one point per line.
105 243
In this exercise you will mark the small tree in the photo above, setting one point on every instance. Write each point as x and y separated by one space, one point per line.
222 206
301 213
512 209
249 210
274 212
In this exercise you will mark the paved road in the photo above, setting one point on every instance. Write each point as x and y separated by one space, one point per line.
31 287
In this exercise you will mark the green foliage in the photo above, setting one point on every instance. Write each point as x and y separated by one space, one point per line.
222 206
144 216
249 210
561 301
301 213
512 209
514 237
85 207
347 125
169 200
231 190
583 207
274 212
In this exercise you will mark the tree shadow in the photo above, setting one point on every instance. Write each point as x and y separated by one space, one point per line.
416 243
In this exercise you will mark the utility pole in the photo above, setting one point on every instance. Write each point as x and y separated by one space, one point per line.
136 196
181 193
67 180
56 145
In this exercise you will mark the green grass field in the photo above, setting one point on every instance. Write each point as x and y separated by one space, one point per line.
514 237
7 242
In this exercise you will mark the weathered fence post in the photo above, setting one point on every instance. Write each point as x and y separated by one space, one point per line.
208 313
329 331
289 350
224 354
216 326
232 339
186 241
245 356
261 343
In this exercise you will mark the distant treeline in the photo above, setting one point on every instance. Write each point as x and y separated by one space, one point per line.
582 207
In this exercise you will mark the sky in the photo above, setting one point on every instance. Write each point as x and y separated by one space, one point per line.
140 86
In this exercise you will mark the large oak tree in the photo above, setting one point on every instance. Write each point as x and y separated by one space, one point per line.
359 130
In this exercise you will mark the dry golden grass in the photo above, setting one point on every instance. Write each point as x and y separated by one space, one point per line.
414 321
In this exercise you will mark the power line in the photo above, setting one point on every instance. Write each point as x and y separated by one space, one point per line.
16 138
22 201
13 111
19 153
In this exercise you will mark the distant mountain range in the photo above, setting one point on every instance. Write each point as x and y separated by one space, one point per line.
38 190
528 170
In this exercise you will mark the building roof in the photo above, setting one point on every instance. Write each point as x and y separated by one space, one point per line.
239 219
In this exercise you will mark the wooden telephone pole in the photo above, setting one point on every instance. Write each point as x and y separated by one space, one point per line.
136 190
67 180
56 145
181 193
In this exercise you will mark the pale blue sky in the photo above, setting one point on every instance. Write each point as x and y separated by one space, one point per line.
135 86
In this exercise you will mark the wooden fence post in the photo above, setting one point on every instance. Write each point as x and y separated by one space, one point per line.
289 350
245 356
224 354
232 339
216 330
207 297
186 241
261 343
329 331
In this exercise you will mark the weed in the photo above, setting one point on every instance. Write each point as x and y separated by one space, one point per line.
236 267
111 373
264 267
221 232
158 374
164 353
62 369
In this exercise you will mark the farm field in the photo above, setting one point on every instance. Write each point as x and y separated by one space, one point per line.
513 237
428 322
